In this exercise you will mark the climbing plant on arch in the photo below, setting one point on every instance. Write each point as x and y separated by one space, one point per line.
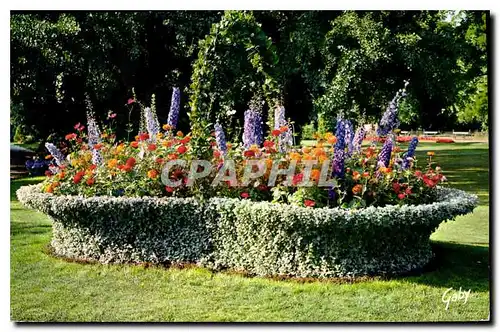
235 62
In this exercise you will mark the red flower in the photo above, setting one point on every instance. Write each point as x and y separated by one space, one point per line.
418 174
98 146
408 191
70 137
92 167
396 187
127 168
366 174
185 140
130 101
297 178
428 182
90 181
159 160
262 187
268 144
152 147
181 149
245 195
143 136
169 189
48 173
309 203
134 144
77 178
275 132
401 196
217 154
249 153
130 162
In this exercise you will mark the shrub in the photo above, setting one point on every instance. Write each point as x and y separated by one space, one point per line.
262 238
308 131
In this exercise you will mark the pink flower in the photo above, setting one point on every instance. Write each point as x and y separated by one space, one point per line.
112 116
245 195
401 196
130 101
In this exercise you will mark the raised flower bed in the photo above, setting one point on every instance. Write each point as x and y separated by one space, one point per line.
262 206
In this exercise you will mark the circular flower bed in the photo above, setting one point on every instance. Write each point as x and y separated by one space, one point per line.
261 238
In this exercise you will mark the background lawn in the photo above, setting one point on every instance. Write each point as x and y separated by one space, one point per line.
44 288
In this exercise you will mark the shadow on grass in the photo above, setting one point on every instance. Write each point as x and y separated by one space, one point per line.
456 265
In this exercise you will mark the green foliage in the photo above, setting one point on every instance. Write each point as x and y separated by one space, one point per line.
234 63
308 131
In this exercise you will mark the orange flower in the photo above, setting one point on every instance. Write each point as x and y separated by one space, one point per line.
167 127
315 173
284 129
366 174
430 153
71 136
152 174
356 175
229 146
180 134
357 189
332 140
295 156
306 149
172 156
112 163
98 146
167 144
90 181
48 156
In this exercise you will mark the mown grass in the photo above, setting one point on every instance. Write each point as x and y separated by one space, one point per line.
45 288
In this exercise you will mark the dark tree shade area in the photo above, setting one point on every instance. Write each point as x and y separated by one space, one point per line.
318 63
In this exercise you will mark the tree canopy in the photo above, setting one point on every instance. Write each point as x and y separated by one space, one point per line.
318 63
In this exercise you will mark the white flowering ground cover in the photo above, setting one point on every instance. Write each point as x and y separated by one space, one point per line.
45 288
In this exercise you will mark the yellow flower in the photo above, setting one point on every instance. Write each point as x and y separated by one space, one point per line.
430 153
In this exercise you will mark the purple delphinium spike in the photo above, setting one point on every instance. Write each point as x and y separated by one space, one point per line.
358 139
410 153
173 115
349 135
252 133
54 151
339 153
389 119
220 138
384 156
94 137
152 124
284 139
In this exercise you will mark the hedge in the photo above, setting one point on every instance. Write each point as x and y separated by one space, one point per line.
261 238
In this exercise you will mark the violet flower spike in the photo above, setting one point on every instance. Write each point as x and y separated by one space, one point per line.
220 138
173 115
285 139
384 156
56 153
339 153
252 133
152 124
410 153
358 139
349 135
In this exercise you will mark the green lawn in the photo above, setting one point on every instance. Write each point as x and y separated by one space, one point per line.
44 288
